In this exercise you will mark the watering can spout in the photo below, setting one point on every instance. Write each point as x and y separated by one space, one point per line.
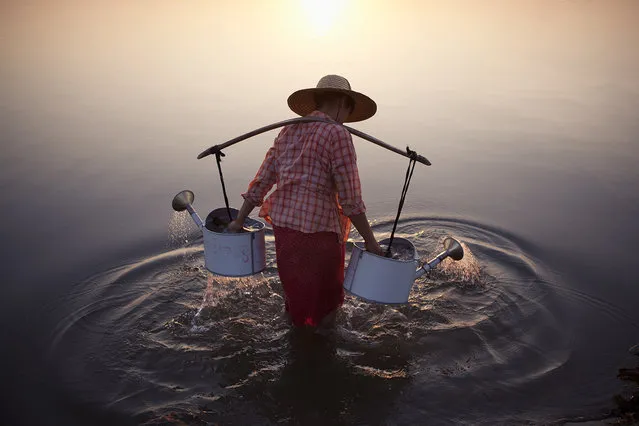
182 201
452 249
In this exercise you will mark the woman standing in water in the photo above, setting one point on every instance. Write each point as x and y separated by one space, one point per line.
317 197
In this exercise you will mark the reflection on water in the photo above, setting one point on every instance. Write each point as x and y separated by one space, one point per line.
209 349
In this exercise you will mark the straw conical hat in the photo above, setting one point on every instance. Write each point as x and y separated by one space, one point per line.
302 102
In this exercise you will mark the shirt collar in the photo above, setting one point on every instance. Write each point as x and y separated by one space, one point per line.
321 114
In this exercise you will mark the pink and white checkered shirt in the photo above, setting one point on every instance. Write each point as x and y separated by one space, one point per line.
314 168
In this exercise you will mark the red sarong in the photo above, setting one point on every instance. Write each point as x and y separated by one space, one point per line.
311 268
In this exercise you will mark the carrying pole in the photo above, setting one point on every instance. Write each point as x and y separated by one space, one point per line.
217 148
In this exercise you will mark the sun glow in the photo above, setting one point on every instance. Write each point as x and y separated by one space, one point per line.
322 14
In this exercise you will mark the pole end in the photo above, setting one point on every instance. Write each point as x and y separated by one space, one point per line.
423 160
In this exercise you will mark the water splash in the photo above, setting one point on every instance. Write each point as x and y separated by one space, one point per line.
467 270
227 297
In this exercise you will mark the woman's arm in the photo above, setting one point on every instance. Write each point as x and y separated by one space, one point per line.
262 182
364 228
245 210
349 190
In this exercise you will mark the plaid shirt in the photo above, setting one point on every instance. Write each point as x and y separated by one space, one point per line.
315 169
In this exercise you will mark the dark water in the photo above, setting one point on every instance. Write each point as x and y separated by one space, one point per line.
108 316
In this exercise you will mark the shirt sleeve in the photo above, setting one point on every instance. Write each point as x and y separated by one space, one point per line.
263 180
345 173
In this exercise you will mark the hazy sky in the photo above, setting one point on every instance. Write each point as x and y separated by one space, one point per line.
205 71
230 56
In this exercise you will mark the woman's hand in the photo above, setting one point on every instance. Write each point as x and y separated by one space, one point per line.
235 226
373 247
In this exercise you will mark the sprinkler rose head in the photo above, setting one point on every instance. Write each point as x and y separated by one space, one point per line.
453 248
182 200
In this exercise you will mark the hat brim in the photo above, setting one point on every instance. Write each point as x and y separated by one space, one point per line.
302 102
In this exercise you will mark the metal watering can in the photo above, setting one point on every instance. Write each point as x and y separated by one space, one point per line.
389 280
226 253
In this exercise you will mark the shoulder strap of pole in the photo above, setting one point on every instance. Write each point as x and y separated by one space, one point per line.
412 155
218 155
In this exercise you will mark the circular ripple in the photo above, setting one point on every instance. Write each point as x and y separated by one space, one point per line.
161 339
